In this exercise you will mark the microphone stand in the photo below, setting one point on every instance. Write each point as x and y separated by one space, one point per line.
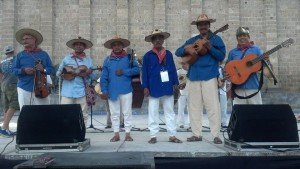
91 111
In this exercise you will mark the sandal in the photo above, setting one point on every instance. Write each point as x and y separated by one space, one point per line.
173 139
128 138
217 140
115 139
152 140
194 138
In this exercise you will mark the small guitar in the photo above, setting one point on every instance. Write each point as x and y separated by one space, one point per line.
69 73
192 59
240 70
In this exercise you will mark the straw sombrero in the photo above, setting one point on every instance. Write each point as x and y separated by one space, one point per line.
203 18
28 31
117 38
155 33
88 44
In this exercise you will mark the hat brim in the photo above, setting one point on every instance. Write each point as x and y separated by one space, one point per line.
208 20
108 43
88 44
37 35
164 34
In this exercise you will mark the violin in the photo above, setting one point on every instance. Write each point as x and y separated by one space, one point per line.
41 88
69 72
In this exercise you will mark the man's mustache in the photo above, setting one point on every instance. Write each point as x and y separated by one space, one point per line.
243 40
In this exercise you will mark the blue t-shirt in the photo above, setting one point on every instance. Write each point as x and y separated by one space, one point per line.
236 54
6 68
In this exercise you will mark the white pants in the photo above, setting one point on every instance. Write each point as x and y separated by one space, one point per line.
223 106
182 102
81 101
153 117
253 100
204 94
28 98
122 104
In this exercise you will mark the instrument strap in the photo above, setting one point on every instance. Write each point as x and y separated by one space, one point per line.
261 82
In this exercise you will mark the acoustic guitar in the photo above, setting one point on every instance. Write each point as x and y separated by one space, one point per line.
192 59
240 70
69 72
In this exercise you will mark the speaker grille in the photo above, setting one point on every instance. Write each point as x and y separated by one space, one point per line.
263 123
47 124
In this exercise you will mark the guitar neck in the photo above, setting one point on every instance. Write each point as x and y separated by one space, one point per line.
213 34
276 48
272 50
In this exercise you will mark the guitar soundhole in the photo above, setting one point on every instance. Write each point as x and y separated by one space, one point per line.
249 64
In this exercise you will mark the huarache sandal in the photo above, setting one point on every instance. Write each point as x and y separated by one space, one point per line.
115 139
174 140
128 137
217 140
152 140
194 138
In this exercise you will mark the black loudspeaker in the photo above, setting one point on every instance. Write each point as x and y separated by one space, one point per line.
263 123
47 124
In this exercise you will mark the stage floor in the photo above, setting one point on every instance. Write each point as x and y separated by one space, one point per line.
100 142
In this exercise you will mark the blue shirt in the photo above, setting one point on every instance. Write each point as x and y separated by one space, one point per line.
151 74
6 68
113 84
236 54
206 66
29 59
75 88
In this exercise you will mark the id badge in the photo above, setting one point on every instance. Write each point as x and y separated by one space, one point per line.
164 76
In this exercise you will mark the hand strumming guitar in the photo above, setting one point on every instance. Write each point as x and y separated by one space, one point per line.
189 49
29 70
104 96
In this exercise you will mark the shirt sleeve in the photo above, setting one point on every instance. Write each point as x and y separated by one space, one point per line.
134 70
218 49
48 65
145 82
16 65
180 52
104 77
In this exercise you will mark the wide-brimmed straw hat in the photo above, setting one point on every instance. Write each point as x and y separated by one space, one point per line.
28 31
116 38
156 32
203 18
88 44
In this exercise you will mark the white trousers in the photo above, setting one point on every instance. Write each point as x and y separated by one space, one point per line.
153 116
81 101
122 104
28 98
223 106
204 94
182 103
253 100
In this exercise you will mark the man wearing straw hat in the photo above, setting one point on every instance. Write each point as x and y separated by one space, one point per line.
202 78
159 76
116 84
9 90
73 90
30 60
